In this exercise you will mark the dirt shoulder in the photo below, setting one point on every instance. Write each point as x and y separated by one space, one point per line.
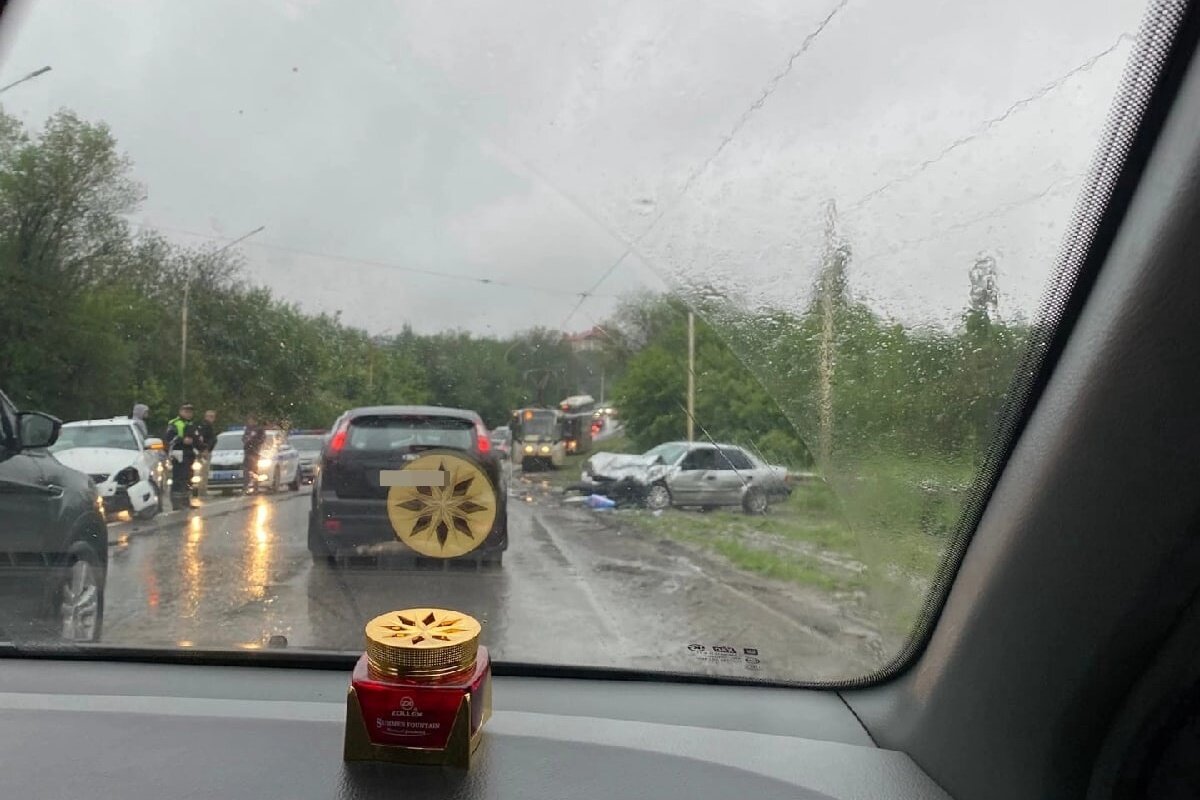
685 608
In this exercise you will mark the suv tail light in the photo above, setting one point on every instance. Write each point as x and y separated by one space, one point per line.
482 443
338 441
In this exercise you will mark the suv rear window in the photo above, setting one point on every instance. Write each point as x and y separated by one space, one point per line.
398 433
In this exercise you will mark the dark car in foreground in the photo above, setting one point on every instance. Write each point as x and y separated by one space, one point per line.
53 540
419 481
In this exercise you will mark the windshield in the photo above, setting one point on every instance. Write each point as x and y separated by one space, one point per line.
668 453
307 444
118 436
392 433
813 235
539 423
229 441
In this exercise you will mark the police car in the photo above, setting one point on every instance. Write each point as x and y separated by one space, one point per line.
278 463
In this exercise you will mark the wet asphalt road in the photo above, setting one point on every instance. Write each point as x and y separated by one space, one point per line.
575 588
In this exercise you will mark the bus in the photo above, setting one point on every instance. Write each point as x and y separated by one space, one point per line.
538 438
578 414
577 431
578 404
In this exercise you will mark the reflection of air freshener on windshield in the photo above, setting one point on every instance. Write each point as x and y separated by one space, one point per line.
421 692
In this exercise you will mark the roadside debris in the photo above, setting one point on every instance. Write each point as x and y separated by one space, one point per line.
598 502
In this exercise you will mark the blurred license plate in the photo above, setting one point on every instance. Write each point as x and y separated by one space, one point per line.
227 475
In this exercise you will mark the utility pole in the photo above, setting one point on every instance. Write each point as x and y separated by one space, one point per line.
28 77
183 318
830 288
691 381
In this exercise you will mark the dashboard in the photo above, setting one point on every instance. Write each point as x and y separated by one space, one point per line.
134 730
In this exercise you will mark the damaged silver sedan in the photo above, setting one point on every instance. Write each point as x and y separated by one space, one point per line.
701 474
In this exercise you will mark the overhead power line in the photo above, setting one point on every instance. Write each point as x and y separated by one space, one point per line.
988 124
431 273
768 89
999 211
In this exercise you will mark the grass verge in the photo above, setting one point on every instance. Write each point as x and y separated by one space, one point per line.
877 536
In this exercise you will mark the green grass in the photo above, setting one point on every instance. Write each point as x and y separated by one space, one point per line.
782 545
879 532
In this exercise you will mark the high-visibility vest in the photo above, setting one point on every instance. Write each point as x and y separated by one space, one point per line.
180 425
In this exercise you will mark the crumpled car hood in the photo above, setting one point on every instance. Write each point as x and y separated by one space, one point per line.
97 460
643 469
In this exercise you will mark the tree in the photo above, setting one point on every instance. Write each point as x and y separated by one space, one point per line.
62 196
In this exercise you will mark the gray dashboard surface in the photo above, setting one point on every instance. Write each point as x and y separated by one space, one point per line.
96 729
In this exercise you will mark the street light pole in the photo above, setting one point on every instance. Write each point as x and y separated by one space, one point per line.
28 77
183 317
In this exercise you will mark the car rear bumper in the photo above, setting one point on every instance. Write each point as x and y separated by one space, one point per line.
348 526
229 478
226 483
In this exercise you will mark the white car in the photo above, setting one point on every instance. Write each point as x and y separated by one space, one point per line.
688 474
130 471
278 463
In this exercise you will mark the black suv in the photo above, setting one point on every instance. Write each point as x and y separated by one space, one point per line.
421 481
53 539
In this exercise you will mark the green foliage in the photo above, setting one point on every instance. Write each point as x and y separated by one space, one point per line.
731 403
91 321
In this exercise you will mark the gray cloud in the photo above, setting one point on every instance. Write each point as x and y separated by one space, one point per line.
527 144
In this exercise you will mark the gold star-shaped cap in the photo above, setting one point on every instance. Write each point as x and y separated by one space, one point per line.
449 518
421 643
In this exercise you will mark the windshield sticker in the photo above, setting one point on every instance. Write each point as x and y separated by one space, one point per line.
749 657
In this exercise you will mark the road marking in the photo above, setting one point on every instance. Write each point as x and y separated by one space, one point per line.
584 586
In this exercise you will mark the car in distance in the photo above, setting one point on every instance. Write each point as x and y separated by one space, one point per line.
129 470
53 543
308 446
701 474
462 515
502 441
278 463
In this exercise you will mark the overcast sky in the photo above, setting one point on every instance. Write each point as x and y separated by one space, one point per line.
529 143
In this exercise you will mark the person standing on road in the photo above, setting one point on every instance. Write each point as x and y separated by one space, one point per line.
139 418
252 441
181 445
207 437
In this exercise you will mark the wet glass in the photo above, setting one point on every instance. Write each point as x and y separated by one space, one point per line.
811 236
306 444
117 436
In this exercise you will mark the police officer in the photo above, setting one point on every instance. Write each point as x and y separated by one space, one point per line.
252 442
181 440
206 432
